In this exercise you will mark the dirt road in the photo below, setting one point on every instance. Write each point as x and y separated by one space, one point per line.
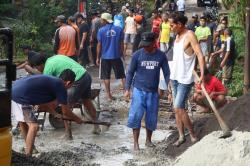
112 147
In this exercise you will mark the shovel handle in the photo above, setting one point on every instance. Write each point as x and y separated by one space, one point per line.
90 122
222 123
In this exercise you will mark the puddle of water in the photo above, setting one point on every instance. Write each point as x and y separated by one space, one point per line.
124 138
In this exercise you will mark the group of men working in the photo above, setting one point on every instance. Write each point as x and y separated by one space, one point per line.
61 72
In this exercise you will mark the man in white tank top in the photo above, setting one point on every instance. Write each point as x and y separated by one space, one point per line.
186 48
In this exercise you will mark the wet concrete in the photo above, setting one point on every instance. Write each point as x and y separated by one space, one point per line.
114 146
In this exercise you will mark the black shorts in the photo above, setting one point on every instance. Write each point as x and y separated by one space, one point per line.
108 64
84 57
81 89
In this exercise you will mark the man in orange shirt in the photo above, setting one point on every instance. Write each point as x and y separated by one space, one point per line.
214 88
66 40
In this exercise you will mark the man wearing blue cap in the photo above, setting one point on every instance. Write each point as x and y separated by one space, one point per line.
144 71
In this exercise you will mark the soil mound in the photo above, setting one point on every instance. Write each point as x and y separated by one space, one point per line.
235 114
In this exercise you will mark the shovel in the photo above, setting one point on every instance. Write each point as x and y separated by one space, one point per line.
223 125
90 122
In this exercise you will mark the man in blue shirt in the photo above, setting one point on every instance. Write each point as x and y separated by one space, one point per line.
118 20
144 71
46 92
110 50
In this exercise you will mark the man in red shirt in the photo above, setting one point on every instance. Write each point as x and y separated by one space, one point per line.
156 23
214 88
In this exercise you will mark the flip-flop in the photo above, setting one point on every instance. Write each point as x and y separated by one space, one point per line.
179 142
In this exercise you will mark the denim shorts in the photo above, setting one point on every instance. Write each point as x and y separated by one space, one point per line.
143 102
180 93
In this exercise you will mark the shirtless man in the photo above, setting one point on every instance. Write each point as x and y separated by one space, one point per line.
186 48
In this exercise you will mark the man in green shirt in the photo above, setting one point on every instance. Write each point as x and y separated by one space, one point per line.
81 88
202 33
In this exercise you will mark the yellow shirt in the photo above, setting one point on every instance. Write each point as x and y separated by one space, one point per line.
223 38
202 32
165 32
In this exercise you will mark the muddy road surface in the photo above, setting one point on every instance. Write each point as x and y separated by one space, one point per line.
113 146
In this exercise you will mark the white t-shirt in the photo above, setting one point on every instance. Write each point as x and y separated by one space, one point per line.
130 25
181 5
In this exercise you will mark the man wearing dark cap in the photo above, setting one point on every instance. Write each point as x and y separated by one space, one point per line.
144 71
194 22
84 31
66 40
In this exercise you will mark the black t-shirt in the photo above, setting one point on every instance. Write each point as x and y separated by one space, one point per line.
84 28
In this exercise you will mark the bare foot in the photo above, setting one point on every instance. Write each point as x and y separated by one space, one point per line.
110 97
180 141
149 144
205 111
194 139
136 147
68 136
96 130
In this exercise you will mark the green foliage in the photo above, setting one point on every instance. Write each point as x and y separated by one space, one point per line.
236 86
237 17
34 24
8 10
240 40
237 24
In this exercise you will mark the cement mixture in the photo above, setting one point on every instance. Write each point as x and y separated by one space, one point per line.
211 151
114 146
236 114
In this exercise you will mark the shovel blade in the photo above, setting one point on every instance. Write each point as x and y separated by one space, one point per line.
226 134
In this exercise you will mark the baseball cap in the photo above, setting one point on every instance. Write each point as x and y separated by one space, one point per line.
194 15
124 7
80 15
107 17
147 39
60 18
203 17
138 19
